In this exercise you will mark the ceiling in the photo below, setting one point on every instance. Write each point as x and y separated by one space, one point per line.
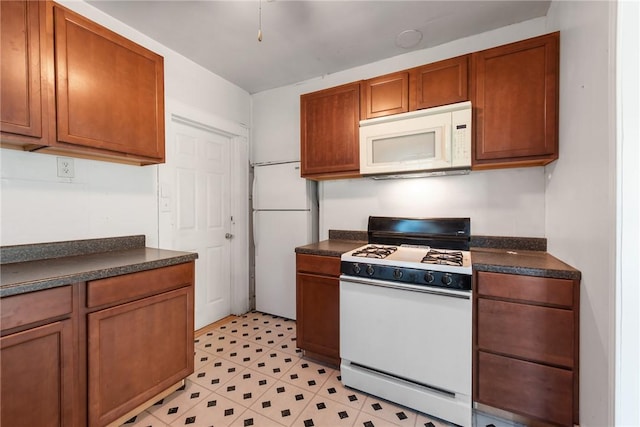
305 39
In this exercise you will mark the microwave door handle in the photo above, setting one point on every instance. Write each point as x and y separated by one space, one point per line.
447 143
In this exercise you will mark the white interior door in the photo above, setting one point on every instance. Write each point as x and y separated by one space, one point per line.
201 214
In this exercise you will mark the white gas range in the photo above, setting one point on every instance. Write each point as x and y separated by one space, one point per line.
411 264
405 315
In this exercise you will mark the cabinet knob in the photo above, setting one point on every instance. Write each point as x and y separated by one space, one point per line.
228 235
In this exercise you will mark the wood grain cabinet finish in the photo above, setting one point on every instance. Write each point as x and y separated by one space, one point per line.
439 83
23 82
110 91
526 346
71 86
37 361
89 353
385 95
318 307
138 349
513 90
540 391
329 140
515 102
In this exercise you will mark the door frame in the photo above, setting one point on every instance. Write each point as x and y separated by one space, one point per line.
238 191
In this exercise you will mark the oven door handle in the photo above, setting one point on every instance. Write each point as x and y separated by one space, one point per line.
408 287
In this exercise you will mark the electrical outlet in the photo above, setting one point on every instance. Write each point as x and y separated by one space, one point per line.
65 167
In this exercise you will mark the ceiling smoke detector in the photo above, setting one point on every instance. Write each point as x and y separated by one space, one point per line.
408 39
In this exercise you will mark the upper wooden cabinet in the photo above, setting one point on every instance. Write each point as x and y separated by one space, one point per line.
515 101
329 122
513 91
110 91
22 77
385 95
441 83
73 87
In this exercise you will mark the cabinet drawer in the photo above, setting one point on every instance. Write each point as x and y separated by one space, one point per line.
531 332
318 264
542 290
20 310
526 388
136 285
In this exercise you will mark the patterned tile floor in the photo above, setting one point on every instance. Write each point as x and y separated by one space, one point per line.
248 372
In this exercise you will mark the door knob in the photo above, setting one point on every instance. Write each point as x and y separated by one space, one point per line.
228 235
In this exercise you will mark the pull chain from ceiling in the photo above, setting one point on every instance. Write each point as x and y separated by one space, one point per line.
259 20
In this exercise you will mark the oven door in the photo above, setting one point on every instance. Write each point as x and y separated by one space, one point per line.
409 344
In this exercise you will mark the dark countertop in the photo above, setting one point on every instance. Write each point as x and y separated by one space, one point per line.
508 255
26 274
526 263
331 247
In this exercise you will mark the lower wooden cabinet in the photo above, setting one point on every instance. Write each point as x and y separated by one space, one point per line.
90 353
526 346
138 349
37 376
37 361
318 307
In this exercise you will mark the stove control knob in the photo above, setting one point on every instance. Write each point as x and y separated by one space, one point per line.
428 277
356 268
370 270
397 274
447 279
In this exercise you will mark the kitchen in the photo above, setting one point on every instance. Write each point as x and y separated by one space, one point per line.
556 202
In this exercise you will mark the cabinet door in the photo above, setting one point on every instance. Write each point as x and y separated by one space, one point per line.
515 100
110 93
22 81
385 95
318 316
330 121
440 83
37 376
136 351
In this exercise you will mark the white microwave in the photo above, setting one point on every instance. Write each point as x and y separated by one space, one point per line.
436 140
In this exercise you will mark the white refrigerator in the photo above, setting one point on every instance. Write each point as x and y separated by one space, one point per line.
285 215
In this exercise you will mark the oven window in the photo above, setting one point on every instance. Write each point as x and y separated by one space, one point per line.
405 148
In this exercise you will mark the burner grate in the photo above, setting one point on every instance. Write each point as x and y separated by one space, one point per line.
443 258
373 251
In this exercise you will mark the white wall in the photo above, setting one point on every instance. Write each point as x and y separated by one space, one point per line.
107 199
627 412
580 189
103 200
506 202
499 203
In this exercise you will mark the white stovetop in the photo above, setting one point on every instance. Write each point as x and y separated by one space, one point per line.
411 256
